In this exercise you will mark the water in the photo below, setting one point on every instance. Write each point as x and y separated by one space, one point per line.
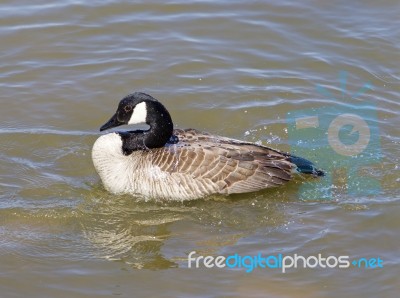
226 67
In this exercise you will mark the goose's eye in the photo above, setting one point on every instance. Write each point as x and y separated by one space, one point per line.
127 109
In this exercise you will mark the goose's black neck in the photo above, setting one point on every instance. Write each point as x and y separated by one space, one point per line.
159 133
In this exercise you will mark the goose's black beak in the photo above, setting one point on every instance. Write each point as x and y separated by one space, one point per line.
113 122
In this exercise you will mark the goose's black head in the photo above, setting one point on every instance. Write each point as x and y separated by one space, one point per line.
133 109
138 108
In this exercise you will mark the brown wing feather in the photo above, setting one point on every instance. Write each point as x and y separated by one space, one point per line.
228 165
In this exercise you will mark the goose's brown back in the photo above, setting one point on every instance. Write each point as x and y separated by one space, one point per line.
217 164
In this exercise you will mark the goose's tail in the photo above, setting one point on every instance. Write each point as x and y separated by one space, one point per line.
305 166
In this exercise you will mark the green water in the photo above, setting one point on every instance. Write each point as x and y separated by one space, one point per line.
226 67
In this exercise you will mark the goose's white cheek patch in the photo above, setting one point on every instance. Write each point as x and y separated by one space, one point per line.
139 114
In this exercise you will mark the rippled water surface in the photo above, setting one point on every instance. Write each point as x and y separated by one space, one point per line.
234 68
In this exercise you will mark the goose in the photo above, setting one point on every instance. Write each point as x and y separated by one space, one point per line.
182 164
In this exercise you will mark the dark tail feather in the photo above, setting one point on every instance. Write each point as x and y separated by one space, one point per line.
305 166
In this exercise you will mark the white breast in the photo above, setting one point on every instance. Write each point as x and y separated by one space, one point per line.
136 173
112 166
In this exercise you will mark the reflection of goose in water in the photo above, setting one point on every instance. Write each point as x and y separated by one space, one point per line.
123 230
157 235
183 164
